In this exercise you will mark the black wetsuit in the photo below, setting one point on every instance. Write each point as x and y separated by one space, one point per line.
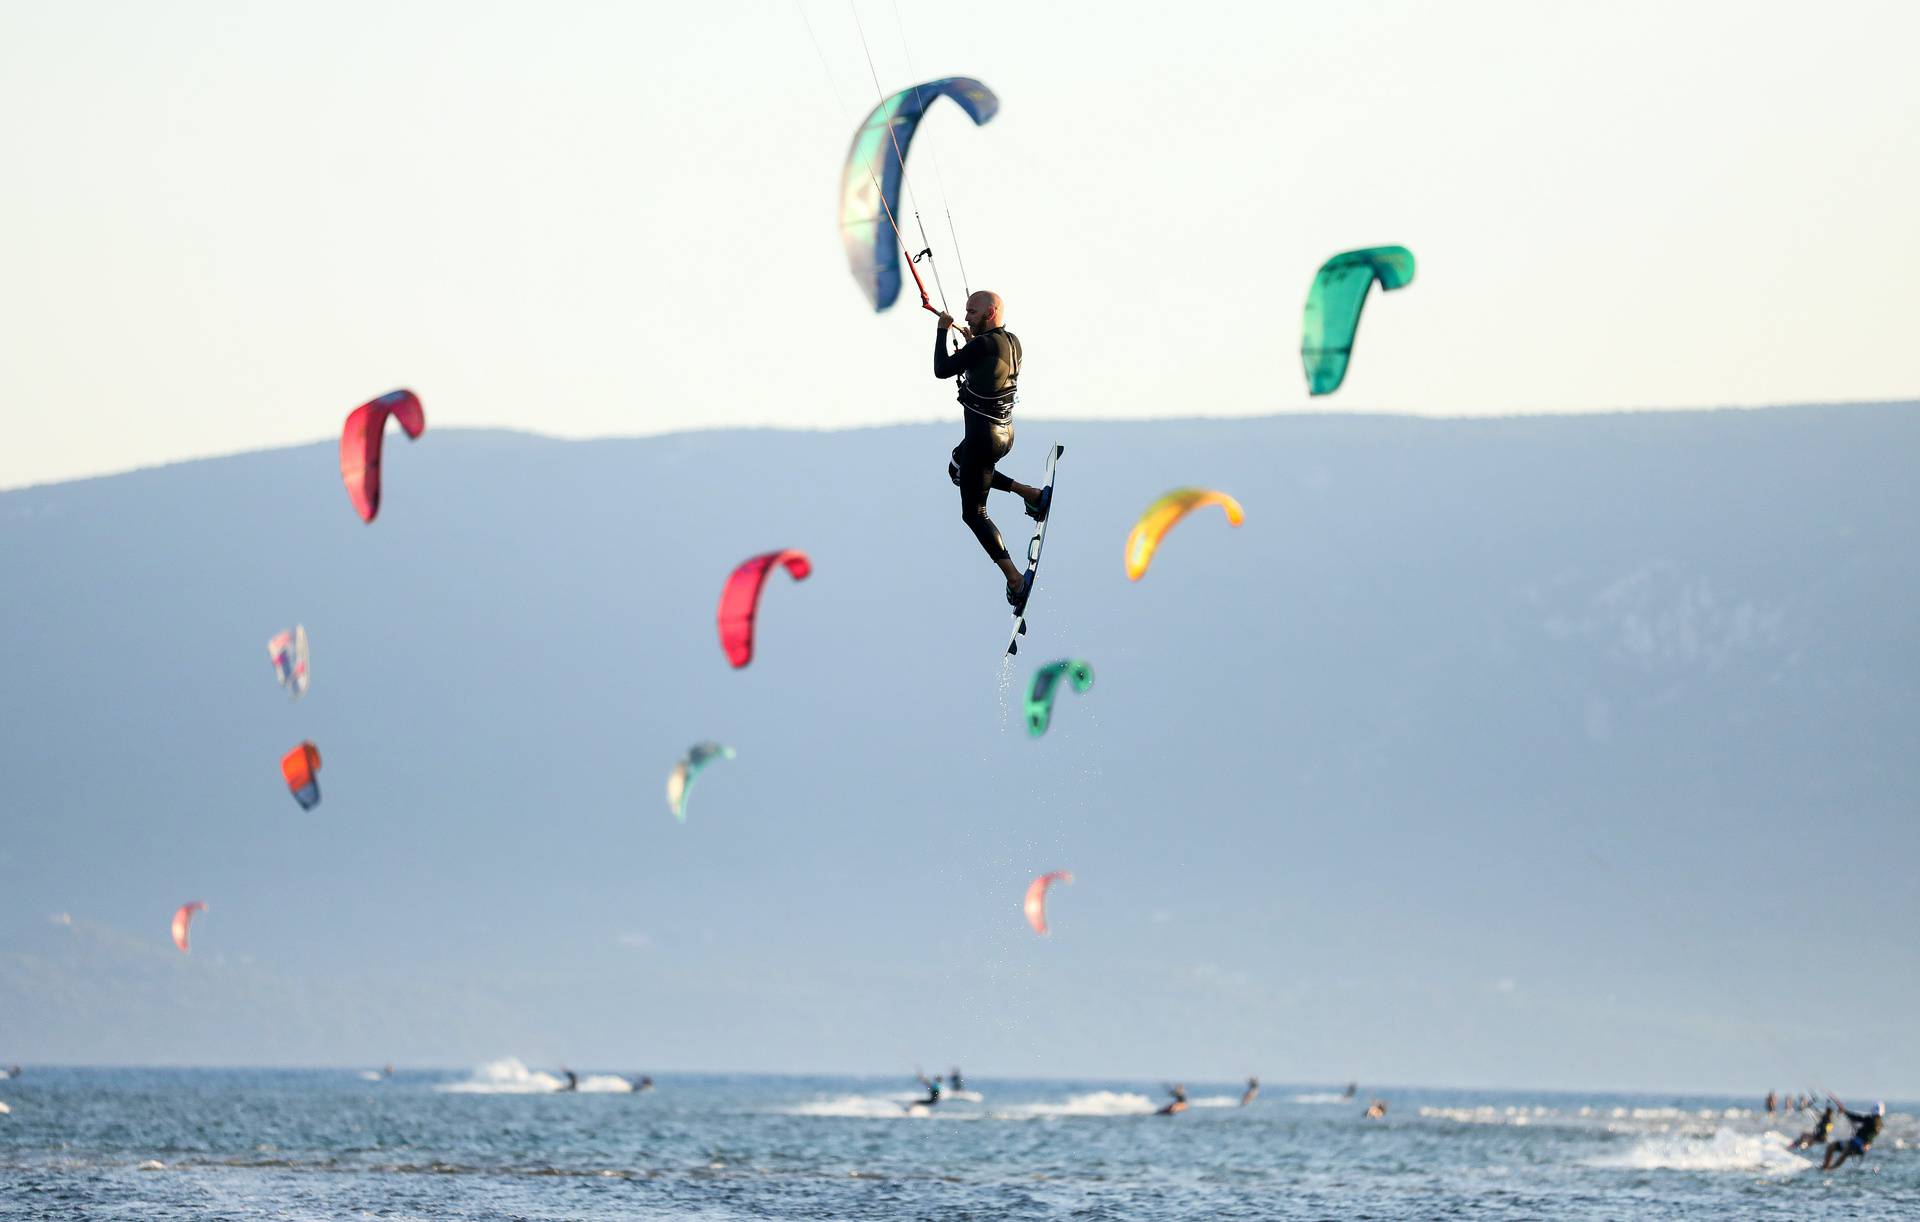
1866 1127
989 371
1821 1132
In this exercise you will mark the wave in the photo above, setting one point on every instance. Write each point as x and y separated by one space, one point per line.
1325 1096
904 1097
901 1107
510 1076
1722 1150
371 1075
4 1109
861 1107
1094 1103
1490 1115
1215 1101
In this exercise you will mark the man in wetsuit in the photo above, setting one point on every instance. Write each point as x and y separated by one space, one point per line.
1866 1127
954 1081
988 367
1253 1089
933 1092
1821 1131
1179 1103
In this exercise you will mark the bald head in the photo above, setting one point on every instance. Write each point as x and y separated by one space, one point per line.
985 311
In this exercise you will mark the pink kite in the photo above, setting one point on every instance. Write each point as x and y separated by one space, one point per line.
1036 905
182 919
740 600
360 445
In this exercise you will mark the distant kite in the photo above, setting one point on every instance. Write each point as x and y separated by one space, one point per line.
182 918
680 780
1045 688
301 767
1036 901
1333 309
289 653
360 445
740 600
1160 516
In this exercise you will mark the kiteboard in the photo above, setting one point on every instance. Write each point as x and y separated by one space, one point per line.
1034 545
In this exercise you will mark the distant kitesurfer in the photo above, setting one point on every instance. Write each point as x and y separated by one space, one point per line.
1770 1103
932 1086
642 1083
13 1071
989 369
1353 1088
1253 1088
573 1080
1179 1103
953 1080
1866 1127
1822 1131
1377 1110
386 1071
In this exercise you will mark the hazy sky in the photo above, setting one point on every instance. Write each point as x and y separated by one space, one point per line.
229 223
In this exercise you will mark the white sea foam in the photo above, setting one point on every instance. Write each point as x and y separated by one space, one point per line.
1325 1096
860 1107
1094 1103
370 1075
897 1106
510 1076
1216 1101
1721 1150
1490 1115
4 1109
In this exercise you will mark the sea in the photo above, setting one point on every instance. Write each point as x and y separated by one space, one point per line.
501 1141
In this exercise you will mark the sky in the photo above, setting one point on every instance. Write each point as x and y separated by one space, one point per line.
230 223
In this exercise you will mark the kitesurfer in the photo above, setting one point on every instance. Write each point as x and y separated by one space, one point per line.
1822 1131
988 367
932 1086
642 1083
1377 1109
953 1080
1866 1127
1179 1103
1253 1089
1353 1088
573 1080
1770 1103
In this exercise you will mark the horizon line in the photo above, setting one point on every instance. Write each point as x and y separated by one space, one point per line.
1198 417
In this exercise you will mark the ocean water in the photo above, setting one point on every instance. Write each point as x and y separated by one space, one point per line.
498 1142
